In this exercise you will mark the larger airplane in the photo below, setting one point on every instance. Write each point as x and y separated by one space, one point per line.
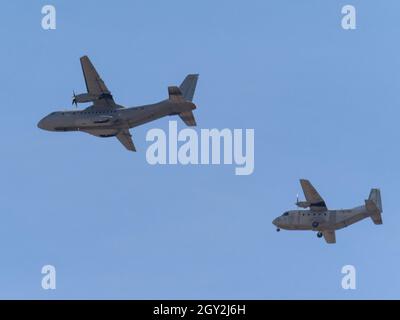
325 222
104 118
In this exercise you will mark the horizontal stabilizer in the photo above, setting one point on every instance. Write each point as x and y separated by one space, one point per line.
374 206
377 218
188 118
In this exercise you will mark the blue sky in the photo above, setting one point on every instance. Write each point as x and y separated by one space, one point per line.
324 104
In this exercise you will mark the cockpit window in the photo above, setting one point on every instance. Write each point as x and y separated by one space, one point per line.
285 214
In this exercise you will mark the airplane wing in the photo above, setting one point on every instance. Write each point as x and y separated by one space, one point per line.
330 236
125 138
95 85
312 196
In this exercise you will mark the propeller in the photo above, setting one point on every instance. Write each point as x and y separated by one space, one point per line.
74 102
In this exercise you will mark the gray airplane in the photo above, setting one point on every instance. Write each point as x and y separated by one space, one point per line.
325 222
104 118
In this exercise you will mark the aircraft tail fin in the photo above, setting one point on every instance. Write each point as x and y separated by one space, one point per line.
185 93
188 86
175 95
374 205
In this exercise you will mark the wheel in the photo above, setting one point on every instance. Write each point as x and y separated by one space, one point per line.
277 230
319 234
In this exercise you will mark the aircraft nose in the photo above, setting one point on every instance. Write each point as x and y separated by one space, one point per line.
43 124
275 222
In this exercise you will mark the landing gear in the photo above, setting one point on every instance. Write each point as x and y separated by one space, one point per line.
319 234
278 229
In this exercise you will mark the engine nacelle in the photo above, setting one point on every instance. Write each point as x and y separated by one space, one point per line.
303 204
85 97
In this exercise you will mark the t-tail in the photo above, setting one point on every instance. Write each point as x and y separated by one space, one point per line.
185 93
374 205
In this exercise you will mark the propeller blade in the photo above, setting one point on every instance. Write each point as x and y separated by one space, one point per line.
74 102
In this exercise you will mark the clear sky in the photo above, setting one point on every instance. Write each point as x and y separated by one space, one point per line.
324 103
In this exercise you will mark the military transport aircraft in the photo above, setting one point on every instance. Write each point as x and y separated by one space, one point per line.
325 222
104 118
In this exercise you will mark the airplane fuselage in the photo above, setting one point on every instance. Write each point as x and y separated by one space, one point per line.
321 220
107 122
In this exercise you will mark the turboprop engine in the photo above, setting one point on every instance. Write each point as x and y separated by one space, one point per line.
87 97
303 204
84 97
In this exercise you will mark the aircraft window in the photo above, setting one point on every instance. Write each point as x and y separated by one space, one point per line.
285 214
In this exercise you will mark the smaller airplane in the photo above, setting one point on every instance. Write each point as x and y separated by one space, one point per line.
325 222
